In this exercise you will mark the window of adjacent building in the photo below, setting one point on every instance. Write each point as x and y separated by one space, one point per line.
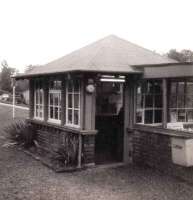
73 103
38 99
149 102
181 101
54 103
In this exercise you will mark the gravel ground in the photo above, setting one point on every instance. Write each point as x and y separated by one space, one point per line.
23 178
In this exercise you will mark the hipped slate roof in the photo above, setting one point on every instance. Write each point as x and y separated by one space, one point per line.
110 54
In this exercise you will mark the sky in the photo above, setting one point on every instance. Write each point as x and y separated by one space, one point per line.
35 32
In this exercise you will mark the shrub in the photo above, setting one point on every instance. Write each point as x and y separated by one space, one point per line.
66 154
22 133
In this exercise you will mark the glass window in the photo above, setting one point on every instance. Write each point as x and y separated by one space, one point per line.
38 99
148 116
181 101
190 115
73 103
149 102
139 116
54 104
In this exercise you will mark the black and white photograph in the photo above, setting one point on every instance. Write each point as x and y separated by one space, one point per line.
96 100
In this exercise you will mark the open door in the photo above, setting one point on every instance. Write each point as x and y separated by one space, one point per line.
109 122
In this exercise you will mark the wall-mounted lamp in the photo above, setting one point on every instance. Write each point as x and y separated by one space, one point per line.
90 88
112 80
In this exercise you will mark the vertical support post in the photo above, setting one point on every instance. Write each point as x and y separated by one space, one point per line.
89 111
63 102
128 119
79 151
46 96
13 101
165 103
82 98
31 98
89 122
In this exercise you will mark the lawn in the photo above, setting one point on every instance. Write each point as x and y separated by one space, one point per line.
6 116
23 178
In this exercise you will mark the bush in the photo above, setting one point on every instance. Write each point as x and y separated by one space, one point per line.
66 154
22 133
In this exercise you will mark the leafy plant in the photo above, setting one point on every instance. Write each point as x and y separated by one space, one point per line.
21 133
66 154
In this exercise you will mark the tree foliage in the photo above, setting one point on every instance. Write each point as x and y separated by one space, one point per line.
5 76
181 56
6 80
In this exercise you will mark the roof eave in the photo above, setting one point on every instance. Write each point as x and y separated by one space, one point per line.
28 76
163 64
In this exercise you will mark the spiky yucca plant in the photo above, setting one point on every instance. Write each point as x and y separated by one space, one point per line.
21 132
67 153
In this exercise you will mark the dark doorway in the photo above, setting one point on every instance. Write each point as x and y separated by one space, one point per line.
109 122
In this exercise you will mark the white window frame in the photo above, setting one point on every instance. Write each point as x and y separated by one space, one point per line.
57 121
73 108
38 91
177 109
144 108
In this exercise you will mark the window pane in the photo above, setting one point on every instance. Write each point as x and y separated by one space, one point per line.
76 117
41 114
158 116
144 87
76 101
181 102
51 112
173 101
57 84
51 99
189 101
59 113
40 111
173 87
56 99
148 116
36 110
69 116
158 87
181 86
181 115
51 84
148 101
76 86
190 115
69 100
70 86
41 97
189 88
140 101
139 116
36 93
149 87
59 99
41 108
56 113
139 89
173 115
158 101
40 84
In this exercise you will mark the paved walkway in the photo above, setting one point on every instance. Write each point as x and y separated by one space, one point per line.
23 178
